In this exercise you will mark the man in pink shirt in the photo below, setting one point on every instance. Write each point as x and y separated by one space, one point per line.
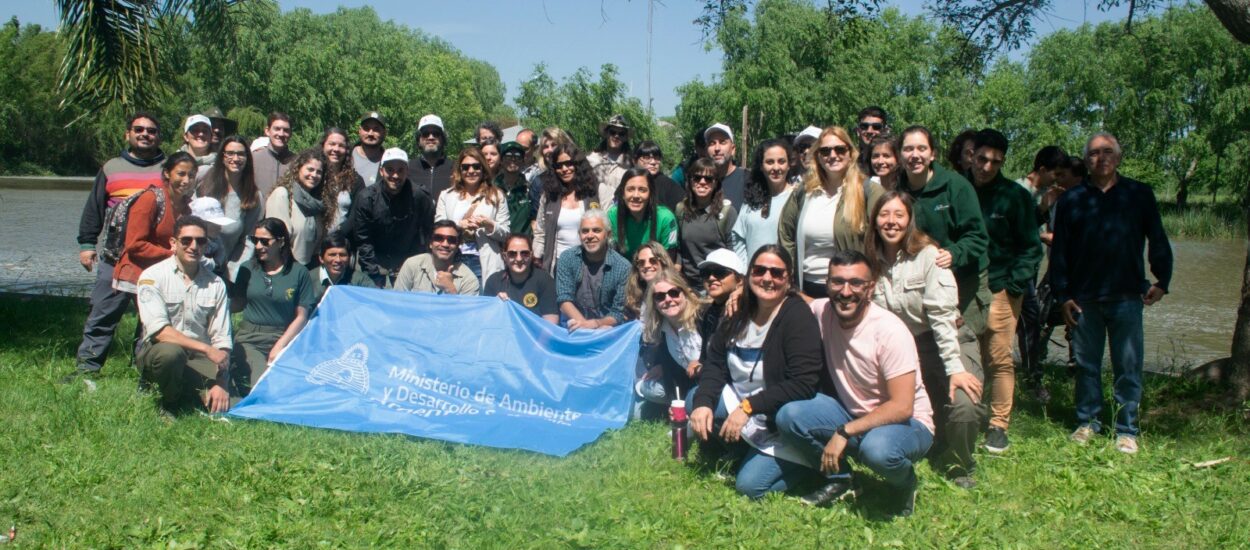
880 413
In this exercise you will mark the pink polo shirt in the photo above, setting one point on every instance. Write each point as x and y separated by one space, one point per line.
863 358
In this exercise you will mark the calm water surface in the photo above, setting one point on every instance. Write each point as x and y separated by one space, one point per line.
1192 325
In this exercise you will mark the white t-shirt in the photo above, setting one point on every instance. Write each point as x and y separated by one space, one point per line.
567 226
683 345
817 227
458 212
746 359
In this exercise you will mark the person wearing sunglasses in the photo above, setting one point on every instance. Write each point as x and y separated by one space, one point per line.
551 138
533 288
511 182
272 160
430 170
765 355
440 270
590 279
297 201
671 323
873 406
611 157
649 261
722 275
912 287
569 191
197 139
480 210
722 150
802 152
275 294
767 190
137 168
872 122
336 267
705 219
183 309
390 221
829 213
231 183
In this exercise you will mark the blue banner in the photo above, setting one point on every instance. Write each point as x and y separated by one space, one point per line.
468 369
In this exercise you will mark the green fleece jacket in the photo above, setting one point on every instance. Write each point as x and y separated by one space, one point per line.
948 211
1015 249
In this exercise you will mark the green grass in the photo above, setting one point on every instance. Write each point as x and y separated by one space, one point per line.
1203 218
101 469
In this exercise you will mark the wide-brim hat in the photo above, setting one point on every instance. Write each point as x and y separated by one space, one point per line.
616 121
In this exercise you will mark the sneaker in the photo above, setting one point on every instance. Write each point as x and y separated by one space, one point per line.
1126 444
965 482
996 440
832 492
80 373
1083 434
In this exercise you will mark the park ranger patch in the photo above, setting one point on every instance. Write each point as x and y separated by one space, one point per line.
530 299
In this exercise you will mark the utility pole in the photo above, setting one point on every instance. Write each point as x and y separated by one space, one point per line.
650 16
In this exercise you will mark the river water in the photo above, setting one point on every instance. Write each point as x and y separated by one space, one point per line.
1192 325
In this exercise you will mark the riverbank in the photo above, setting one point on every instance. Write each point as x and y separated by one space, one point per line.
1203 219
100 468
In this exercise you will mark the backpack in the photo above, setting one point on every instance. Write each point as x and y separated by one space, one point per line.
119 216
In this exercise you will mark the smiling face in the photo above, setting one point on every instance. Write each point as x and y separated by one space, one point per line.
850 292
335 149
869 127
703 186
234 155
444 244
372 133
892 221
637 194
143 135
776 166
917 154
471 171
192 251
720 283
594 235
615 137
647 264
393 175
335 261
884 162
278 132
668 302
517 255
267 248
565 168
310 174
720 148
834 155
512 162
199 137
769 278
180 179
430 140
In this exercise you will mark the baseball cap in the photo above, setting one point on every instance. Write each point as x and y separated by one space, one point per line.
510 146
811 133
725 258
431 120
196 119
209 210
373 115
394 153
718 127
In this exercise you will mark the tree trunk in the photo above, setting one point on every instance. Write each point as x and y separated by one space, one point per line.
1234 15
1239 364
1182 190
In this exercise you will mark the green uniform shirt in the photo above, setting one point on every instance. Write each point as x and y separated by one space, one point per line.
519 207
637 234
352 277
948 211
1011 221
272 299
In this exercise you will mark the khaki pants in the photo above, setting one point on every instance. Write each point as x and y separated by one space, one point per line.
183 377
1000 370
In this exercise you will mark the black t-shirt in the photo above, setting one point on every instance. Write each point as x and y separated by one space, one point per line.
536 293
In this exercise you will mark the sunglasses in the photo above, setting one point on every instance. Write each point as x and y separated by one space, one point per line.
841 150
513 155
431 133
470 167
449 239
673 293
878 126
518 254
702 178
838 283
760 270
617 133
199 241
153 130
261 241
644 262
564 164
714 272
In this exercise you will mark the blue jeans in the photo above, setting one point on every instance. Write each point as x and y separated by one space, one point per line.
474 263
759 474
888 450
1121 320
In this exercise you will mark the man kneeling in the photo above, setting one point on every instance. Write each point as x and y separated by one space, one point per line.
881 416
186 323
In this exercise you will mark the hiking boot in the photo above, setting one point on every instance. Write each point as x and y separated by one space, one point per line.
996 440
905 505
831 492
1083 434
1126 444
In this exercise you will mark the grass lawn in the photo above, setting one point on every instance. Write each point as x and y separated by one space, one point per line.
82 468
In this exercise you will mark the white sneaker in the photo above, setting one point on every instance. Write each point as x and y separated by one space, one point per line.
1126 444
1082 435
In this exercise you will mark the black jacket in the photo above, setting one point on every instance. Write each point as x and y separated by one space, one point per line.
794 361
433 178
387 230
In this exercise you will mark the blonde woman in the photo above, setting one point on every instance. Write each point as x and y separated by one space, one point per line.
649 261
479 210
673 311
829 213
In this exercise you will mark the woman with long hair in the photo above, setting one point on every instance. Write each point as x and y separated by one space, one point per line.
649 261
150 221
230 181
704 218
569 190
766 192
342 182
959 154
490 152
297 201
672 315
830 213
638 217
884 159
276 296
767 354
480 210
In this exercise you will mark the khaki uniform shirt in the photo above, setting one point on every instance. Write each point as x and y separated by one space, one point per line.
198 309
925 297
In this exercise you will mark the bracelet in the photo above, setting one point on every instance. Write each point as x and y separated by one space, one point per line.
745 405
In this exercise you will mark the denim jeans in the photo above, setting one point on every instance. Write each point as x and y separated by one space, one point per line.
1120 320
888 450
759 474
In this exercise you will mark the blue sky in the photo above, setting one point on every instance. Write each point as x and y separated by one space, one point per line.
568 34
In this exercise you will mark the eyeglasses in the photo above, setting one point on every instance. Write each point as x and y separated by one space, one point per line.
470 167
199 241
488 141
234 154
563 164
673 293
760 270
449 239
714 272
703 178
261 241
838 283
644 262
137 129
878 126
517 254
841 150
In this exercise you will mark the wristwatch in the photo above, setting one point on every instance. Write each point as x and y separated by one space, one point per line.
842 432
745 405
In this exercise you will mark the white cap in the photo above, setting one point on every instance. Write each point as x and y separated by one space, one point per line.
209 210
811 132
196 119
718 127
259 143
724 258
394 153
431 120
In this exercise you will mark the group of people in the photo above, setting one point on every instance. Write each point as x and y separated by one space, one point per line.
846 295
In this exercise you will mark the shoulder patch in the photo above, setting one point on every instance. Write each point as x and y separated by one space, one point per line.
145 282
